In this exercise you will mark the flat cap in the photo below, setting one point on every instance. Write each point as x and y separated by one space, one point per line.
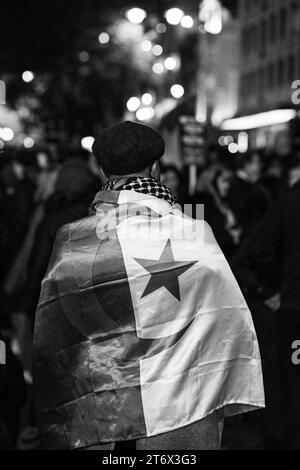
127 147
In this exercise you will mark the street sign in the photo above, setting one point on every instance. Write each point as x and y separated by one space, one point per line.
193 140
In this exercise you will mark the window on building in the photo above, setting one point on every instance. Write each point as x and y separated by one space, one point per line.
281 72
252 38
242 8
271 76
292 68
273 28
283 23
262 78
245 41
295 17
263 37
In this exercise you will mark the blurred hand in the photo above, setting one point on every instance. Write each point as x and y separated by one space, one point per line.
273 303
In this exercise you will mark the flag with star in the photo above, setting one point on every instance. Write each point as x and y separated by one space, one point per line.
141 327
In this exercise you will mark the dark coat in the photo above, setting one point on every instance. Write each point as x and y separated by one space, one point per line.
12 397
216 219
248 202
16 203
270 258
58 213
75 190
275 250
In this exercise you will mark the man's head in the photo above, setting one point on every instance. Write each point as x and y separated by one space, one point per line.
251 164
127 149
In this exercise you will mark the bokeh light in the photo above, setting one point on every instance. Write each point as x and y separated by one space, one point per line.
174 16
170 63
87 143
104 38
146 45
28 142
27 76
133 103
84 56
157 50
161 28
233 147
158 68
147 99
177 91
6 134
136 15
145 114
187 22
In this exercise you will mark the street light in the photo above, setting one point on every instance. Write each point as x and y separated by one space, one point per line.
214 26
136 15
210 15
174 16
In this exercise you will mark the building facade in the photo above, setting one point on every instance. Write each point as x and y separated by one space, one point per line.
270 53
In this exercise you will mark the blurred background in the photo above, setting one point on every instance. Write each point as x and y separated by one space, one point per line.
220 80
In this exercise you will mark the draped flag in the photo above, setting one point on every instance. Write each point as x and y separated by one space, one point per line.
141 327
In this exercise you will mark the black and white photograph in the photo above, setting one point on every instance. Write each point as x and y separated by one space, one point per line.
149 228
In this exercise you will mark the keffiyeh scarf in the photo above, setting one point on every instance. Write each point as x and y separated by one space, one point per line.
146 185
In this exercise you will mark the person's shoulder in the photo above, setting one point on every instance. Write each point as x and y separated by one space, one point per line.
76 225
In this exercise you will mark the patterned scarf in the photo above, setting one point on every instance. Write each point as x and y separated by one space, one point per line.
145 185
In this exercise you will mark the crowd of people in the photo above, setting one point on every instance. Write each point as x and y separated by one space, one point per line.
251 201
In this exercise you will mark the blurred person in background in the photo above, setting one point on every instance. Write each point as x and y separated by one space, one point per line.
43 170
92 313
17 203
66 199
212 190
47 176
275 255
12 396
73 192
213 156
272 177
246 197
44 176
261 429
173 179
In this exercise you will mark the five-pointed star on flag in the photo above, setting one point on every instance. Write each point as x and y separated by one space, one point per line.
164 272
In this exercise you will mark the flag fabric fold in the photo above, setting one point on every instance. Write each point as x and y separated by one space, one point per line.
141 327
